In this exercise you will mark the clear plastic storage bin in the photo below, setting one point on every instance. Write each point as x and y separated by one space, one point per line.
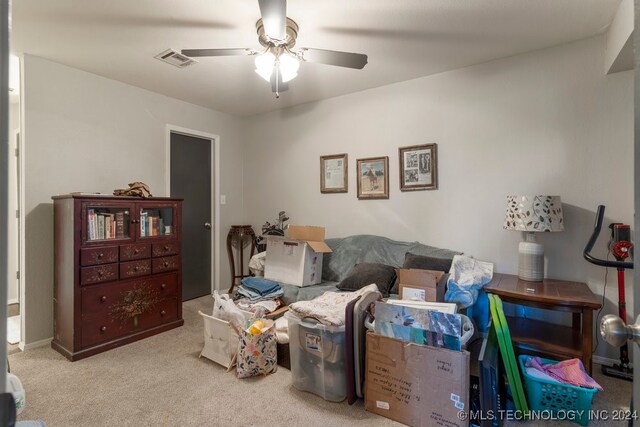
317 355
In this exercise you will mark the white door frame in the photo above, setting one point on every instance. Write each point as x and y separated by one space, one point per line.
215 189
13 234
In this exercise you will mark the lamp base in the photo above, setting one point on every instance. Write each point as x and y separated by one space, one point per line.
531 260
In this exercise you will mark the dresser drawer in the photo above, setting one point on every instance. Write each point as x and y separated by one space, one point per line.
99 300
102 329
97 274
135 251
167 263
135 268
165 284
95 256
163 312
164 249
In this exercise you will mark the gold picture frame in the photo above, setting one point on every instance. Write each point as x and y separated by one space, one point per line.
373 177
418 167
334 170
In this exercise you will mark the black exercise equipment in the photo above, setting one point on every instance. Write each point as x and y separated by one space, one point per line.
621 248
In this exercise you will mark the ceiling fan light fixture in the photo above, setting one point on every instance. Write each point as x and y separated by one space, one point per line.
265 64
288 66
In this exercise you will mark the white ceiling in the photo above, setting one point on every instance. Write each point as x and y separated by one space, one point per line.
404 39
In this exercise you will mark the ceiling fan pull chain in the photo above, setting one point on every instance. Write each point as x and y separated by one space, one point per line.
277 67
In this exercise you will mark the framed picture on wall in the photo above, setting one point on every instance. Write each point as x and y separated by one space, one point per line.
373 178
418 167
333 173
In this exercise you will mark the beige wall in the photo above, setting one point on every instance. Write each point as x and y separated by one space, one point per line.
547 122
88 133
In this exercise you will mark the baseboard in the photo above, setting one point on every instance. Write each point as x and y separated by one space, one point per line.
36 344
13 301
607 361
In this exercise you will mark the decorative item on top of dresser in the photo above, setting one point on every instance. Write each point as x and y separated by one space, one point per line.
239 236
117 271
136 189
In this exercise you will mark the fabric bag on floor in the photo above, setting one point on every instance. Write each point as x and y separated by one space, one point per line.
258 352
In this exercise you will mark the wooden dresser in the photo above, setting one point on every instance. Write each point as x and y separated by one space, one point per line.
117 269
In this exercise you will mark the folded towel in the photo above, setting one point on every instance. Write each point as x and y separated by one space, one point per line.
260 285
243 291
570 372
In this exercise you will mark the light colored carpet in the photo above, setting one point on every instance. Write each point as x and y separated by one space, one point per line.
13 329
160 381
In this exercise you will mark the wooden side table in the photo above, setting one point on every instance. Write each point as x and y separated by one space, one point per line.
239 233
547 339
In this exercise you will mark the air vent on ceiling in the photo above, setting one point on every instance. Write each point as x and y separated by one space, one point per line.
177 59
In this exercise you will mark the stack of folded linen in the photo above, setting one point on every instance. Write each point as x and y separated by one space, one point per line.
257 294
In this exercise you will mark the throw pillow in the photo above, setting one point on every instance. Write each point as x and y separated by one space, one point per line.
423 262
365 273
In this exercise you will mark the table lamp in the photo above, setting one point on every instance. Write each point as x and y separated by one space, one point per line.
533 214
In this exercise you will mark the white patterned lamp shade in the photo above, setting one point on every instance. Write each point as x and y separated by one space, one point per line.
533 214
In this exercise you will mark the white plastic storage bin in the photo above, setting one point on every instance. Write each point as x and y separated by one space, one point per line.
317 355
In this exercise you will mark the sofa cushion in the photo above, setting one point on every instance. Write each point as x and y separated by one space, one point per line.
423 262
366 273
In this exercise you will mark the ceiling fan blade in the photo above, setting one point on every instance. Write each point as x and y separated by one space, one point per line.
274 18
193 53
334 57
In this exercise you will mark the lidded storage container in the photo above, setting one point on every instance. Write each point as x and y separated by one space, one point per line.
317 355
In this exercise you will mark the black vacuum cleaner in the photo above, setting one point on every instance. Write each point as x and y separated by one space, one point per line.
621 248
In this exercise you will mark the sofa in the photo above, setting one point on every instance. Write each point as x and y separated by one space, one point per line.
352 250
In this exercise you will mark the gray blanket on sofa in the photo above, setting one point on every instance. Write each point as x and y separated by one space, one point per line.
352 250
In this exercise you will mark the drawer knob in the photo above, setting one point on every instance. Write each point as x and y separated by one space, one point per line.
103 329
166 247
163 286
166 264
103 298
163 312
100 273
136 268
100 255
136 251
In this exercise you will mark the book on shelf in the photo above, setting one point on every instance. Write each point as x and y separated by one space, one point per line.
143 224
100 234
107 226
91 224
119 218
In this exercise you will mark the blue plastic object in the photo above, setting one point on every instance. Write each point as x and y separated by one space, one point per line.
479 312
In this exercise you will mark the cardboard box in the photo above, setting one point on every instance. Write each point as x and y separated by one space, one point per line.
297 258
425 285
416 384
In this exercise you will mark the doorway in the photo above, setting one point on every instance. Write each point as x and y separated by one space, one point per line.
191 163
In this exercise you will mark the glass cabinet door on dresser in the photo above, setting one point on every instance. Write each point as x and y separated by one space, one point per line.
117 271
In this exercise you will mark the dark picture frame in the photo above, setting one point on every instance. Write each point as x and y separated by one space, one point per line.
418 167
334 173
373 177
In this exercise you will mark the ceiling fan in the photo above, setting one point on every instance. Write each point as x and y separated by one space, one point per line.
278 63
